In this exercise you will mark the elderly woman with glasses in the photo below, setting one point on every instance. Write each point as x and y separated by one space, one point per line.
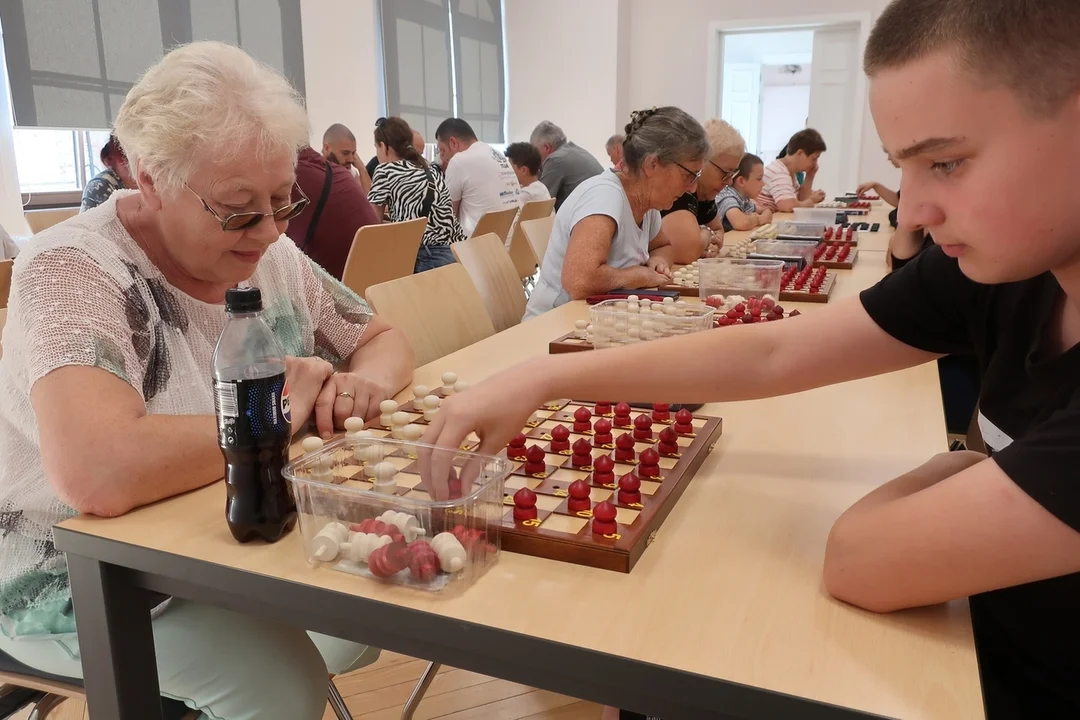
607 234
692 224
105 381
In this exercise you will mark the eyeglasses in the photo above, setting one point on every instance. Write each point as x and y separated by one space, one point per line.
694 176
246 220
727 174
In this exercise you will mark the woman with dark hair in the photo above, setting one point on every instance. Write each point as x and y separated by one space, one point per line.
404 187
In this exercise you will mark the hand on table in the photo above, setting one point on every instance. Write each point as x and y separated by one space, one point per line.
306 377
660 267
818 196
345 395
765 216
495 410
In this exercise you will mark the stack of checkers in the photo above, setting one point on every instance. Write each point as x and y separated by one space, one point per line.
765 232
847 234
806 285
592 482
835 256
687 276
737 310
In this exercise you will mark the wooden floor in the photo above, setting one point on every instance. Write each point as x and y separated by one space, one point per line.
379 691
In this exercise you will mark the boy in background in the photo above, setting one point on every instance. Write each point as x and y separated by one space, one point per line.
782 192
525 160
735 202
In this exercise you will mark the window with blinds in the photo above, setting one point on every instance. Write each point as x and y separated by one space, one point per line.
444 58
71 62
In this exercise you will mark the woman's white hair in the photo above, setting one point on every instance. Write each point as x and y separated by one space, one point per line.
724 139
207 99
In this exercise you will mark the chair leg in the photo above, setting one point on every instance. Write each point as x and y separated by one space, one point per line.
422 686
337 703
45 706
14 698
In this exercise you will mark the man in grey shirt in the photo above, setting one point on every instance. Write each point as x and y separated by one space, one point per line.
565 165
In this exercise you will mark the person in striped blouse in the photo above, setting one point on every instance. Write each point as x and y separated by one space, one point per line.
782 192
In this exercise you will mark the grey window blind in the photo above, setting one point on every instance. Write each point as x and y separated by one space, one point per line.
444 58
70 63
478 50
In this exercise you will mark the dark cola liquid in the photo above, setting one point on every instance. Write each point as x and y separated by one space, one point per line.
254 430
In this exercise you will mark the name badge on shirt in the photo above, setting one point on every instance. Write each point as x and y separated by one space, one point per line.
993 436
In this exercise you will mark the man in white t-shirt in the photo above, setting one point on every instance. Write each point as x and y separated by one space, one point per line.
479 177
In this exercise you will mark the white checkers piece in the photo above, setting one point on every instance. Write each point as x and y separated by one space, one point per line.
386 409
312 444
372 455
579 328
633 298
431 406
413 433
384 474
354 428
448 380
398 421
328 542
420 391
450 551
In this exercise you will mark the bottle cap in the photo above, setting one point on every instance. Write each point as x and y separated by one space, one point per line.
243 300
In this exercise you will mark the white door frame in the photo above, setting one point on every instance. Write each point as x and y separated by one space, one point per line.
715 74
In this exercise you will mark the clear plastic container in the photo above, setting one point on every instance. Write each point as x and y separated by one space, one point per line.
748 278
351 507
617 322
789 230
795 253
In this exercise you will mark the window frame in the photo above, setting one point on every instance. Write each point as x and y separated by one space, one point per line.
85 170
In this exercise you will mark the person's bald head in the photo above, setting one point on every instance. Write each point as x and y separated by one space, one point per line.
339 145
418 141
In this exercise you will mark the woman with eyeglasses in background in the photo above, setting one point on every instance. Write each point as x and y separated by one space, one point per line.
608 233
105 382
692 225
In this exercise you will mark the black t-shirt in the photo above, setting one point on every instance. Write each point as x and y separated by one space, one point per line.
703 210
1028 636
371 165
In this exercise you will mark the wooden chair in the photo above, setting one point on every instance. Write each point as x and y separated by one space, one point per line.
440 310
382 252
496 221
520 251
538 232
5 281
41 220
493 273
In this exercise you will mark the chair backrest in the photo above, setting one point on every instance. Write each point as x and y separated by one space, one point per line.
440 310
382 252
5 281
491 270
538 232
40 220
496 221
520 251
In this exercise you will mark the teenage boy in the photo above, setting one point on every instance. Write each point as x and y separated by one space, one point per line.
735 203
525 160
952 95
782 192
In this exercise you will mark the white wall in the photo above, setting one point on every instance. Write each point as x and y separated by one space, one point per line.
670 62
342 68
563 67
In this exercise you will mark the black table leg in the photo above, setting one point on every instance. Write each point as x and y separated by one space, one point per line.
116 642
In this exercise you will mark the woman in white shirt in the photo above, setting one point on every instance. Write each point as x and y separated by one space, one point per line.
106 401
607 235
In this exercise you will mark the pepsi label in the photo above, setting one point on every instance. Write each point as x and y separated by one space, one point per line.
252 412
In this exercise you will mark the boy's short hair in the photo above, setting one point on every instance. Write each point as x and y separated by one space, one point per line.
808 140
746 165
456 128
524 155
1029 46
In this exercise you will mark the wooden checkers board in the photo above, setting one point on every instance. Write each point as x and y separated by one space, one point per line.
847 264
568 343
789 294
684 290
559 534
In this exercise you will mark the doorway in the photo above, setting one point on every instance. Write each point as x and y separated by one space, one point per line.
772 79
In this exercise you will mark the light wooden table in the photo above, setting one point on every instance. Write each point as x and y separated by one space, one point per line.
725 614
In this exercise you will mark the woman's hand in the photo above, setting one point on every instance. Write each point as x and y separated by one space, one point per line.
345 395
659 266
306 377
